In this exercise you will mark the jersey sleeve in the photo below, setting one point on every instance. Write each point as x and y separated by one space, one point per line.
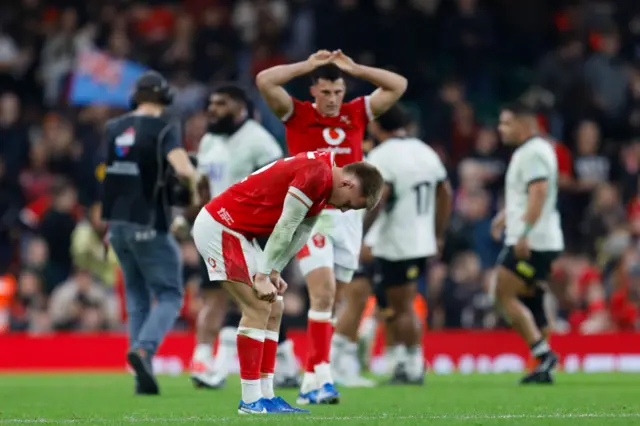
266 150
361 107
439 170
297 112
171 137
310 184
536 166
203 147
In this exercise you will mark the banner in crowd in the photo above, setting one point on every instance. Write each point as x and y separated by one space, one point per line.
100 79
446 352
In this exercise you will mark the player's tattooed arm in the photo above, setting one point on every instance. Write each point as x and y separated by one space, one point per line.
390 86
271 80
371 215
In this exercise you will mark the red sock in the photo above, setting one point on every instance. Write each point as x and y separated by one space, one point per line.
250 344
319 332
269 354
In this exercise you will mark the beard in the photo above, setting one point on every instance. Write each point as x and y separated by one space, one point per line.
224 126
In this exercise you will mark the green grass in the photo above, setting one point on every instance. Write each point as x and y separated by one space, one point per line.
602 400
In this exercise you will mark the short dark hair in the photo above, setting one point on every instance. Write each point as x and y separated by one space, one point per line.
520 109
371 181
329 72
233 91
395 118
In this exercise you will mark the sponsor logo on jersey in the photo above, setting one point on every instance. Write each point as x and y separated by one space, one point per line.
225 216
318 240
337 150
125 141
333 135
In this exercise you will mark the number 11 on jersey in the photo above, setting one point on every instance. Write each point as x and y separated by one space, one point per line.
422 190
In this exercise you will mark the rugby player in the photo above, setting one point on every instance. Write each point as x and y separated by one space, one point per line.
234 146
283 201
413 213
330 257
533 236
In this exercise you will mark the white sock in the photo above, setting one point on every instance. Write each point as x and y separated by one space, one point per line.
226 350
415 362
203 352
286 362
323 374
398 355
251 390
266 383
338 342
309 383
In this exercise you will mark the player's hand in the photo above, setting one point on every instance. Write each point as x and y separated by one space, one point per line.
344 62
497 227
264 289
320 58
278 282
521 249
180 227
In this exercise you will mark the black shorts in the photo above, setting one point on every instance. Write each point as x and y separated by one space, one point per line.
365 270
532 270
391 273
388 273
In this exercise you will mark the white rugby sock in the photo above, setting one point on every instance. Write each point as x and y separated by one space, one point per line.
203 352
251 390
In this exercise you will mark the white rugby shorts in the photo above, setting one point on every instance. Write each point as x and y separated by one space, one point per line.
334 243
229 255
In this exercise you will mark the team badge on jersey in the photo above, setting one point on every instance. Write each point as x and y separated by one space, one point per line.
125 141
334 136
318 240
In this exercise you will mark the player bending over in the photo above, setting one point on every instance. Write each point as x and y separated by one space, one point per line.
533 237
283 200
413 213
234 146
328 125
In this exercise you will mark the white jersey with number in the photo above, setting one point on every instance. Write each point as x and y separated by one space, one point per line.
229 159
533 161
407 226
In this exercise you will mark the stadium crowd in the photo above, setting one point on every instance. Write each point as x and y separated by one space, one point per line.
578 61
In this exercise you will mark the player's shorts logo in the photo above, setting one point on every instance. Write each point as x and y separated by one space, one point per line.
413 272
318 240
212 262
333 135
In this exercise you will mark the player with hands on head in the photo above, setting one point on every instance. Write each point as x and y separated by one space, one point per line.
330 257
282 201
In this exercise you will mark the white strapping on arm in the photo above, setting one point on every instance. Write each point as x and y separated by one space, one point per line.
289 234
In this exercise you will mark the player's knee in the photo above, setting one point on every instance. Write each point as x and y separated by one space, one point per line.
258 312
322 293
277 308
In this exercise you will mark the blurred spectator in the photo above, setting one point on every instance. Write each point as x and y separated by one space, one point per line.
604 215
56 229
216 44
10 199
90 253
29 310
14 148
464 301
607 79
81 303
487 152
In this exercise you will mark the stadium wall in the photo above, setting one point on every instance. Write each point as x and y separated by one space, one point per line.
446 352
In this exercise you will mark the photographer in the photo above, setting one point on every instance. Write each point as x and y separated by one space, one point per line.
143 146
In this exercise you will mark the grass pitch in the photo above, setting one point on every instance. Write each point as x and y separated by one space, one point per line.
598 400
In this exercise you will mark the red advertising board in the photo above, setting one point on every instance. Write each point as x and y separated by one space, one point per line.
446 352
